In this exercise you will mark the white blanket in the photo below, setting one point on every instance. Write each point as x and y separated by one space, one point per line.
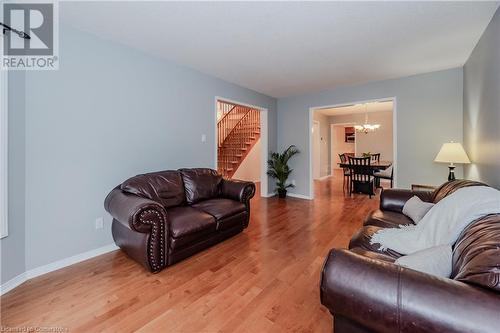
443 223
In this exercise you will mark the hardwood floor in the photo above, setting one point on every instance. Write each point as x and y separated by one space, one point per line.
263 280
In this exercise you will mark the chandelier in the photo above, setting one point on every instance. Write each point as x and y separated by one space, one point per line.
366 127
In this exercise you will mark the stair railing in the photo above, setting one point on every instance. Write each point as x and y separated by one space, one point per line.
229 121
223 108
235 144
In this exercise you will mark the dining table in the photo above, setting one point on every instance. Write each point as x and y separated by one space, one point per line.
380 165
374 167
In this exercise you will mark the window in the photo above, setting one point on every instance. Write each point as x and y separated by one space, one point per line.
3 154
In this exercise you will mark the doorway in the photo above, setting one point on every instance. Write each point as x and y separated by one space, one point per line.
316 150
241 142
343 139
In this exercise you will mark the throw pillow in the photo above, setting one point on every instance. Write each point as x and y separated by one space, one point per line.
435 261
416 209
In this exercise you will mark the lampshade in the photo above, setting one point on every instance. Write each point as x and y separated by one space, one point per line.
452 152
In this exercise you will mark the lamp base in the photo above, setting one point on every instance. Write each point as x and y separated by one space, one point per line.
451 175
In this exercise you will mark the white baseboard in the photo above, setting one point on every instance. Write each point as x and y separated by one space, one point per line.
32 273
12 283
293 195
324 177
299 196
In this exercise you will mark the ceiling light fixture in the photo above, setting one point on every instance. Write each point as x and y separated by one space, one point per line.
366 127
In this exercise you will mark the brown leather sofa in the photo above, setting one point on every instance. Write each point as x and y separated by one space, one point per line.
366 292
163 217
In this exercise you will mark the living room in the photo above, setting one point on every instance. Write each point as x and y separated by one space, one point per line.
126 88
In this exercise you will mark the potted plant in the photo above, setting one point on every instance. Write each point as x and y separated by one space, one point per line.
278 169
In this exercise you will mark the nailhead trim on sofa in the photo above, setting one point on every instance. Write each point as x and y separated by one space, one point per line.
154 235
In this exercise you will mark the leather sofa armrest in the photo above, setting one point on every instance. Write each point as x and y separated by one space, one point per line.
237 190
134 212
384 297
395 199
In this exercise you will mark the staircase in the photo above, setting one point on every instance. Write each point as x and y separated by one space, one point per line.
238 129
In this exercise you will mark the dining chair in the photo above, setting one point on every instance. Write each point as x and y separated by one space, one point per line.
375 157
347 173
384 174
361 174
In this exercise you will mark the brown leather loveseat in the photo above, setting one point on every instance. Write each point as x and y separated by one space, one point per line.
163 217
366 292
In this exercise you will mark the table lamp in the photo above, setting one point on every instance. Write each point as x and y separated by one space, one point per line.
452 152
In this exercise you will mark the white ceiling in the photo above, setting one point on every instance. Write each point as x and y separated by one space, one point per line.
286 48
357 108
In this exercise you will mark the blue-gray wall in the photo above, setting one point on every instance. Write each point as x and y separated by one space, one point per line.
482 106
111 112
13 246
429 113
108 113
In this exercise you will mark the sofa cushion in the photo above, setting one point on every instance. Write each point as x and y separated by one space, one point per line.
220 208
164 187
386 219
188 224
449 187
362 237
394 199
476 253
373 255
200 184
229 222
